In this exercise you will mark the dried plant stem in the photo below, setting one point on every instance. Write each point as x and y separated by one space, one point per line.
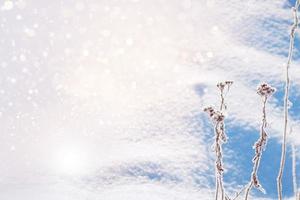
239 193
217 186
259 147
222 105
219 156
219 162
248 190
220 137
286 100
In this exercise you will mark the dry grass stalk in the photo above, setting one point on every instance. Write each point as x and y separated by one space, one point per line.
218 118
238 193
265 91
286 99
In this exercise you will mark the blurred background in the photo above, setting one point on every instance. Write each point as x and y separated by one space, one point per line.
103 99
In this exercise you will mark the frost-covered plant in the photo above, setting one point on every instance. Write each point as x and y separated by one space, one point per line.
218 118
286 99
265 91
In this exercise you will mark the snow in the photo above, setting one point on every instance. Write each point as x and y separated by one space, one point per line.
102 99
7 5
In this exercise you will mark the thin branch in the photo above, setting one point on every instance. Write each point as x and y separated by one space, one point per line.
286 100
219 159
239 193
220 138
264 90
217 187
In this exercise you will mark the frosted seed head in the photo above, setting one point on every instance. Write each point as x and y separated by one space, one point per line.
216 116
228 83
222 85
265 90
209 110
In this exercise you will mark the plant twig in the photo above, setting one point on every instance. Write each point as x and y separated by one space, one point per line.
286 100
265 91
239 193
220 138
